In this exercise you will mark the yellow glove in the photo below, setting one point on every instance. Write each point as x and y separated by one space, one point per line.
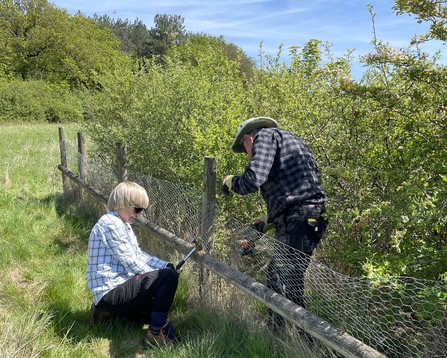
227 184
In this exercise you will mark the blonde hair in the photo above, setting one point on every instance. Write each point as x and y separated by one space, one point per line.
126 195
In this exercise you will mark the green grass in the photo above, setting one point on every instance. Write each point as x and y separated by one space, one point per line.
44 298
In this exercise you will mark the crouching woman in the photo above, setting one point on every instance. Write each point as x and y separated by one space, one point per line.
124 280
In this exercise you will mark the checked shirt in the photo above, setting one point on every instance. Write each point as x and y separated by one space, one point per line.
283 168
114 256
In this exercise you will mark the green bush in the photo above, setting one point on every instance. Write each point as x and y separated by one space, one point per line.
37 101
378 143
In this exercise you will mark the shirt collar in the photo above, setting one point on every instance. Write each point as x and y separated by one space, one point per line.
114 213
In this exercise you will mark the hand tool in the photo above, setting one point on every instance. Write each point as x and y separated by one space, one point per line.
180 264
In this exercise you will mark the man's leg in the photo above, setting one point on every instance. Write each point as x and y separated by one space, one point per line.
298 231
276 321
293 276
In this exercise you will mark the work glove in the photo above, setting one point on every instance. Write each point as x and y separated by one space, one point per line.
261 226
227 185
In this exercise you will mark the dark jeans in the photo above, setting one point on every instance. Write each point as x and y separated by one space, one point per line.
140 295
298 232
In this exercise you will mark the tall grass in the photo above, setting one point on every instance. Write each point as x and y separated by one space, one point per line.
44 298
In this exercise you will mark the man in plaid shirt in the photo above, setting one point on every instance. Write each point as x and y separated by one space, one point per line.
124 280
283 168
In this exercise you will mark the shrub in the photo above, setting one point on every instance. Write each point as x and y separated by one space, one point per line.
37 101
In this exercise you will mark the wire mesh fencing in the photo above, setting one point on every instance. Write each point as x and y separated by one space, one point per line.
397 316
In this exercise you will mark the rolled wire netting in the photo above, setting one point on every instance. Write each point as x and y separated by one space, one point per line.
397 316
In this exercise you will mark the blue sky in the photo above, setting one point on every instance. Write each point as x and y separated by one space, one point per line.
246 23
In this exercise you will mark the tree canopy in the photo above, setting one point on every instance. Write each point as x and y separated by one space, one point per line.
137 40
41 41
432 11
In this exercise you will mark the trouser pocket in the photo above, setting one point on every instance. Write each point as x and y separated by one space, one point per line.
302 228
315 219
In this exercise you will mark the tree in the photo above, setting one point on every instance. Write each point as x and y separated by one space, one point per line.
246 64
44 42
193 48
169 31
136 39
133 36
432 11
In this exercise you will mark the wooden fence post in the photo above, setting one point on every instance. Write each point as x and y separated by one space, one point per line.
208 214
121 155
63 154
208 201
81 161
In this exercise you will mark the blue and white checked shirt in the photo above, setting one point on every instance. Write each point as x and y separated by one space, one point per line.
283 168
114 255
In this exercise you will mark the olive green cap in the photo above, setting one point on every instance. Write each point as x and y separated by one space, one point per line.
247 126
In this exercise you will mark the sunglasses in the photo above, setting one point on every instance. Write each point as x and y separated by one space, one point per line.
138 210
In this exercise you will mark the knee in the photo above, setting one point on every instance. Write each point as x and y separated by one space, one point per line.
171 275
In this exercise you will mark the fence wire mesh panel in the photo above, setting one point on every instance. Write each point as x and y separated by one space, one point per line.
397 316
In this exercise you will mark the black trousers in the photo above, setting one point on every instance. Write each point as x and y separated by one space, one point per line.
298 231
141 294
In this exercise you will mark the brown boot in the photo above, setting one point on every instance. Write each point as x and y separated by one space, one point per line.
158 340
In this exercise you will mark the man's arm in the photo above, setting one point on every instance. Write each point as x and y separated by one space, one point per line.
122 245
257 171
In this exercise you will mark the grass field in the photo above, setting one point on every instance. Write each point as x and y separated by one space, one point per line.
44 298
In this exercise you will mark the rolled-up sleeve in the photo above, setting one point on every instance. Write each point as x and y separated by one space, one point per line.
257 172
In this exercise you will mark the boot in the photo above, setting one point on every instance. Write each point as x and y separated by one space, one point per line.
158 340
